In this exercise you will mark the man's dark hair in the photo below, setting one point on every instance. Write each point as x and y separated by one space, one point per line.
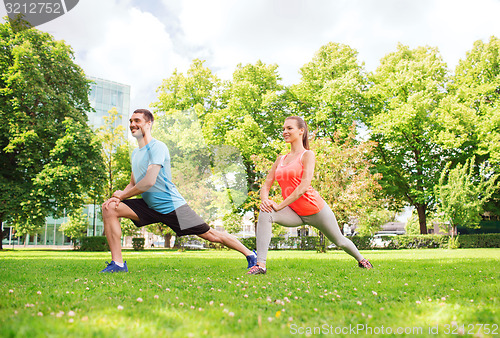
147 114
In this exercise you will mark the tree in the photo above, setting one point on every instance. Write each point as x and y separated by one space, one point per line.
161 229
471 114
330 93
461 196
372 221
115 152
253 107
343 176
476 84
48 156
128 227
406 92
77 225
245 113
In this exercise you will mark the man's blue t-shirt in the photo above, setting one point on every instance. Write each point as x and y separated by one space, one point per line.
163 196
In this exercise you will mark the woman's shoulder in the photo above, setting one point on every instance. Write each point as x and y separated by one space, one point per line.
307 155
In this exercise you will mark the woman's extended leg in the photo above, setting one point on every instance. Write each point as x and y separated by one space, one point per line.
286 217
326 222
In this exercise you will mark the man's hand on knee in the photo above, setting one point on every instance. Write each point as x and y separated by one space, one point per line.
109 202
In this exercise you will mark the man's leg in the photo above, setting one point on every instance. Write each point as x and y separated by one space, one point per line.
111 218
228 240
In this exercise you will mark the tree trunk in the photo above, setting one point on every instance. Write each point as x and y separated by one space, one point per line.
167 239
422 218
177 245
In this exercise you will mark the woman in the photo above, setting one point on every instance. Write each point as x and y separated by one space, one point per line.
301 203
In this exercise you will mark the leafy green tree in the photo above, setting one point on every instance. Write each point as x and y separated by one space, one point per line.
331 91
198 89
245 113
470 112
77 225
461 196
115 152
250 117
412 226
406 93
128 228
476 84
161 229
49 158
343 176
373 219
232 223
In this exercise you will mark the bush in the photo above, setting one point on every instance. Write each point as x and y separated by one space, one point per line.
250 242
479 241
361 242
94 243
138 243
418 241
394 242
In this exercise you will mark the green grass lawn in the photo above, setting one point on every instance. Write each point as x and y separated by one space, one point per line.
190 294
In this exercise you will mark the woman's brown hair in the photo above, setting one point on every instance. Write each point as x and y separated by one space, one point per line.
301 124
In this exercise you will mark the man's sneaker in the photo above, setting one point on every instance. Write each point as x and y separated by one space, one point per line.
365 264
252 259
113 267
256 270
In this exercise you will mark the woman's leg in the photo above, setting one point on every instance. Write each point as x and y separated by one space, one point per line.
286 217
326 222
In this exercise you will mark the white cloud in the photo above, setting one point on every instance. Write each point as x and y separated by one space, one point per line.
140 42
117 41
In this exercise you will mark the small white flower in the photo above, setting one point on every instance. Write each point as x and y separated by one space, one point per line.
120 307
167 289
359 303
231 314
418 302
11 291
139 300
39 292
40 314
156 297
374 293
71 313
71 320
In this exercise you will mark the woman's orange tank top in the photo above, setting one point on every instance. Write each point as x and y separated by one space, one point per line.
289 177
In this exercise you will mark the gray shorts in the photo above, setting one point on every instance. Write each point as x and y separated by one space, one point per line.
183 220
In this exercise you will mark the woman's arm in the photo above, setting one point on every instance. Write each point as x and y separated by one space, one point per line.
308 161
267 205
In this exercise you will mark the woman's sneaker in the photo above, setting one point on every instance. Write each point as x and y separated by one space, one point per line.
365 264
256 270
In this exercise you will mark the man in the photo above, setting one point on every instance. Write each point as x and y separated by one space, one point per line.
160 202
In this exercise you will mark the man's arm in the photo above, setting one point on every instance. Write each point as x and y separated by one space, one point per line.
143 185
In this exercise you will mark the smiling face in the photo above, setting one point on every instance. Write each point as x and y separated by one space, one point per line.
139 126
291 131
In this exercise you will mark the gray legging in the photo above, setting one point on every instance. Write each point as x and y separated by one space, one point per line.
324 221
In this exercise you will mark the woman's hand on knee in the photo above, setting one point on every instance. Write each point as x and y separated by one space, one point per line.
268 205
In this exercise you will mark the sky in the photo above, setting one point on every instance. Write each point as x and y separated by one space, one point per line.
141 42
